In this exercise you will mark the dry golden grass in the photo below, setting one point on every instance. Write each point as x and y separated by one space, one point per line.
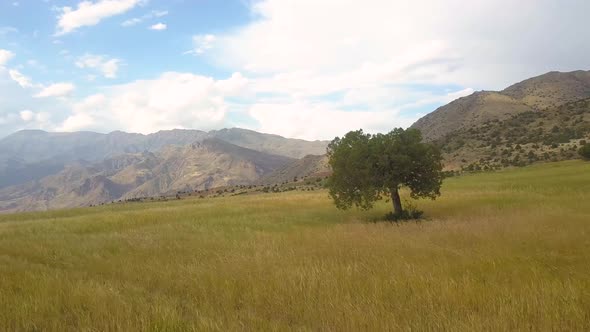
500 251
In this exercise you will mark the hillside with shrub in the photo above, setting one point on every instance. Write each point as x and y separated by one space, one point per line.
522 139
544 118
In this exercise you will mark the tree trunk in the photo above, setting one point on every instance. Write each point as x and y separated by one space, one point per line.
397 202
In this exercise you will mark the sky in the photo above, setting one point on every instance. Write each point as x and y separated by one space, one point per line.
310 69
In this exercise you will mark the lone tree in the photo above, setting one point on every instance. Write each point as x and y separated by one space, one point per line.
366 167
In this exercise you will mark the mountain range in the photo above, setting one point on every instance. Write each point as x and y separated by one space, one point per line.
41 170
544 118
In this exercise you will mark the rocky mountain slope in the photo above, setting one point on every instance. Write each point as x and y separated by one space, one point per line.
540 93
202 165
308 166
551 90
544 118
524 138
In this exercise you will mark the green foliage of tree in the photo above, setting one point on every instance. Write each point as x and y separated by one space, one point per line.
584 151
367 167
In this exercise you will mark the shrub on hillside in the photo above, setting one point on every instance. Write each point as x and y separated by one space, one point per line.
584 151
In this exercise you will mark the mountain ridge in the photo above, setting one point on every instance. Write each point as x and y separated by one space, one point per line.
34 141
30 155
198 166
538 93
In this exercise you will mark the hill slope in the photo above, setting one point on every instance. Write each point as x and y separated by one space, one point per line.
524 138
540 93
544 118
551 90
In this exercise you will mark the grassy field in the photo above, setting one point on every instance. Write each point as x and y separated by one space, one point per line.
499 251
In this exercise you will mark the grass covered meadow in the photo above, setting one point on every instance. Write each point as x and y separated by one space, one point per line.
508 250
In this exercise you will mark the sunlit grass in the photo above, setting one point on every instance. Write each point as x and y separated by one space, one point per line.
499 251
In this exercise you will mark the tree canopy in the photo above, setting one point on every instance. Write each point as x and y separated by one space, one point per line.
366 167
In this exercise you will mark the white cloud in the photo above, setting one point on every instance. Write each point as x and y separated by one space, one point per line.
202 43
5 56
56 90
19 78
90 13
37 119
321 80
136 20
82 114
233 86
321 121
42 117
472 49
131 22
184 100
14 100
27 115
158 26
173 100
76 122
108 67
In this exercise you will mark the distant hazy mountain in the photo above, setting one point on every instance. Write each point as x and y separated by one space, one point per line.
41 170
36 145
273 144
536 94
33 154
540 119
30 155
201 165
14 171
